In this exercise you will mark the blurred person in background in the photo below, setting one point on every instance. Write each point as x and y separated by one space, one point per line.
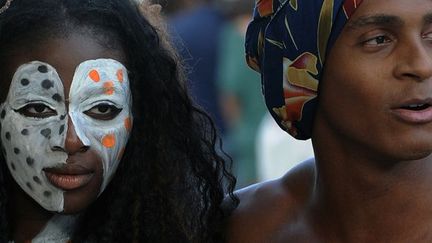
171 7
195 27
239 88
278 152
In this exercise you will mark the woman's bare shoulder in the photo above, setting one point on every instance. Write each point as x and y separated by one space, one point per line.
267 206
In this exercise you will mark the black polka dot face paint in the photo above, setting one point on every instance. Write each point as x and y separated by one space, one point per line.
34 121
28 112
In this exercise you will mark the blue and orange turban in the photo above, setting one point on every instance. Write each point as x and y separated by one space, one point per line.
287 42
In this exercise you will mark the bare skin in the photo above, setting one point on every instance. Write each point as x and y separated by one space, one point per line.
27 215
371 179
268 211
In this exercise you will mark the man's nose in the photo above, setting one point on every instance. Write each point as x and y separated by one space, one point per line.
415 61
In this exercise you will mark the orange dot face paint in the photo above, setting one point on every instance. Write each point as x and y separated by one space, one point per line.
120 75
94 75
108 87
128 124
109 141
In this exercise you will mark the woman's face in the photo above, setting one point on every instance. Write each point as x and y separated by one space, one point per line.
66 120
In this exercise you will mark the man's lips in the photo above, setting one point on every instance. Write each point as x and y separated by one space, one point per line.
68 177
415 111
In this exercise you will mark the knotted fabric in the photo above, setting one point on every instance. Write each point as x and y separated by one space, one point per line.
287 42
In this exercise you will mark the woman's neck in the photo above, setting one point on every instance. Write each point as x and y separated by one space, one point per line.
27 218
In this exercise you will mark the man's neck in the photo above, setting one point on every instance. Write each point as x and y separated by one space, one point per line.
361 198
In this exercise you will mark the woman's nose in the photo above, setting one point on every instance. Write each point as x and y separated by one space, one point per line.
73 143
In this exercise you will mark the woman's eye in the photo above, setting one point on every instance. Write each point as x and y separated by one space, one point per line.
378 40
103 112
37 110
427 36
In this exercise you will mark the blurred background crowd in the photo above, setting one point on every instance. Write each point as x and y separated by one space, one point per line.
209 35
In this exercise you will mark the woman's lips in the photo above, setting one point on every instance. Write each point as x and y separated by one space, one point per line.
68 178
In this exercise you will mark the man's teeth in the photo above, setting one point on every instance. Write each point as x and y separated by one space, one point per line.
417 106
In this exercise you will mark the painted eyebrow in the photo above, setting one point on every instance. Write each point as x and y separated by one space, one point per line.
378 20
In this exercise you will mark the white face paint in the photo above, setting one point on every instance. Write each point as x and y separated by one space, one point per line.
29 143
102 82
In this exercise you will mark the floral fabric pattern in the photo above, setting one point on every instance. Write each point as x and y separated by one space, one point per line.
287 42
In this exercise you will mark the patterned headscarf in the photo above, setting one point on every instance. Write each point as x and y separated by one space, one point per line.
287 42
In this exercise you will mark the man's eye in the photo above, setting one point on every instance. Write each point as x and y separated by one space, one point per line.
378 40
37 110
103 112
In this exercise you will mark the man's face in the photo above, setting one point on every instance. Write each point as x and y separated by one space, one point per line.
376 93
65 121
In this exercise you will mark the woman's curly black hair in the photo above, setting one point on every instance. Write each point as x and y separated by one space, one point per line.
171 181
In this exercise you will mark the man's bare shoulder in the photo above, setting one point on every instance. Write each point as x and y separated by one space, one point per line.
269 206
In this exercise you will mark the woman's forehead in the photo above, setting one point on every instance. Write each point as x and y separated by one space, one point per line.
65 54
